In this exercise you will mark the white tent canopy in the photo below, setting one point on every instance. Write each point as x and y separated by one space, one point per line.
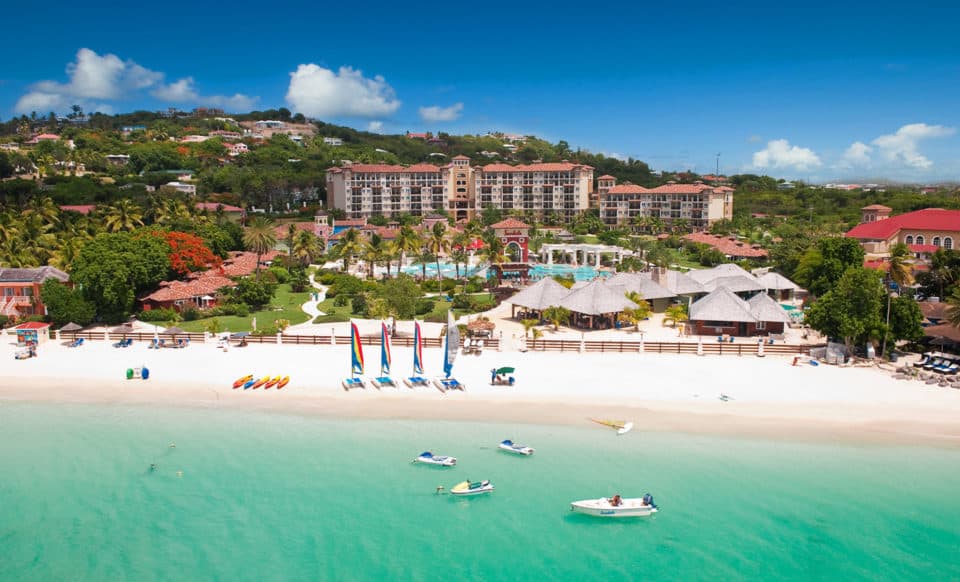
543 294
596 298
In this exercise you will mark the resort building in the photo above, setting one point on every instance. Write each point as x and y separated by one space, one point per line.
730 246
922 231
698 204
722 312
200 293
364 190
20 290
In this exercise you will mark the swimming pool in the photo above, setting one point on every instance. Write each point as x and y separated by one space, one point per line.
446 270
580 273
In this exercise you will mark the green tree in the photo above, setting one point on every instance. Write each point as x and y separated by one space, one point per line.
437 243
557 316
852 309
65 304
634 315
259 238
407 242
350 244
821 267
254 292
113 268
122 216
953 308
401 295
675 314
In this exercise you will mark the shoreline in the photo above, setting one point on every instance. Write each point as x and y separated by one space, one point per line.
768 398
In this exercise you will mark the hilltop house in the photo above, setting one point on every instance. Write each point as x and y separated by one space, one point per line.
20 290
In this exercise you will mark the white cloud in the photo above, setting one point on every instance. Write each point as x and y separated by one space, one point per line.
108 77
319 92
375 126
436 113
902 146
858 154
780 154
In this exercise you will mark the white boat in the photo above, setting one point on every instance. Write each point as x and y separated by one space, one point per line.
431 459
515 448
475 488
616 506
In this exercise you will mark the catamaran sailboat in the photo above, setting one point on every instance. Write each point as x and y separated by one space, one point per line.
384 378
621 426
449 355
417 379
356 360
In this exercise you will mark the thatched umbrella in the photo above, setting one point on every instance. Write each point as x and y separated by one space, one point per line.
483 327
174 330
71 327
123 329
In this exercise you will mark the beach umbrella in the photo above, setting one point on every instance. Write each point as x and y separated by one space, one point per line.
942 341
123 328
505 370
174 330
71 327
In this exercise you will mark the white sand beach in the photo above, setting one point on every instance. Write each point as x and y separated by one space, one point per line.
767 396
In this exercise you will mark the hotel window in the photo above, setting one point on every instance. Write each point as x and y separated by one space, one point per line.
948 243
920 239
909 239
936 241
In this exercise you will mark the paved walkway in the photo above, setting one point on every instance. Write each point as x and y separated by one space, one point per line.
310 308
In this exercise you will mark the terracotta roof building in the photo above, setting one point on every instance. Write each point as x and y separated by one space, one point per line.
364 190
20 290
930 226
699 204
729 246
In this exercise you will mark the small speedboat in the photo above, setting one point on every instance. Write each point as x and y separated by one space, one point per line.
474 488
515 448
616 506
431 459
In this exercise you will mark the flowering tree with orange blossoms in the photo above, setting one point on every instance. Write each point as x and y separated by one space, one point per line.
188 253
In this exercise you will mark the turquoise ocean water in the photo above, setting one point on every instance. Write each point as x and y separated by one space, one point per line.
277 497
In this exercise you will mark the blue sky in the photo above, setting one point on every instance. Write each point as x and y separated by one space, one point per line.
815 90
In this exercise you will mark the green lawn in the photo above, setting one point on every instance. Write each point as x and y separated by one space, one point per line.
285 305
439 312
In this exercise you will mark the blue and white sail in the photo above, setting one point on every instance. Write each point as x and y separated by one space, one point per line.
453 344
417 349
385 356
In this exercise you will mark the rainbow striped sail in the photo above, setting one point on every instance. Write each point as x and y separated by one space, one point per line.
384 349
356 350
417 349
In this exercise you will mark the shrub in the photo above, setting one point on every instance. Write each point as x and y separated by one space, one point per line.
461 301
158 315
425 306
190 313
280 274
332 318
341 301
360 306
430 286
448 285
4 320
326 277
475 285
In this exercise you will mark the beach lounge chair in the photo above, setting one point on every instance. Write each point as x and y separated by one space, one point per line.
933 363
925 360
947 367
467 346
478 347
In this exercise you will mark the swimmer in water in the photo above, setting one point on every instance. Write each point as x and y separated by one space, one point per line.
173 445
179 473
153 467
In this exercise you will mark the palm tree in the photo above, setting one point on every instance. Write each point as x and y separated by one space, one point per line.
374 252
557 316
941 271
634 315
259 238
953 308
681 225
122 215
675 314
528 324
493 252
350 244
407 241
291 232
900 273
45 208
437 243
306 247
459 244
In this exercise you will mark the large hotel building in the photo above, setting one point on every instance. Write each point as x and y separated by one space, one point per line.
700 205
364 190
564 189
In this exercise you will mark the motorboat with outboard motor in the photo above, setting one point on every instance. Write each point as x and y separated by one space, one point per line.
515 448
616 506
431 459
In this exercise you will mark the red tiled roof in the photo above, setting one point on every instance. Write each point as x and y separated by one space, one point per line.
547 167
350 222
281 230
923 248
81 208
241 264
509 223
606 177
375 168
877 265
726 246
47 136
681 189
422 168
208 284
461 157
724 189
926 219
879 207
32 325
628 189
212 207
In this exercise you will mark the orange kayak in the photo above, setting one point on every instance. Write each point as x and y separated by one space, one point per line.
243 381
283 382
272 382
261 382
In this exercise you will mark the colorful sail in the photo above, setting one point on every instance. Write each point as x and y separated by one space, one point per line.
417 349
356 350
453 344
384 349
